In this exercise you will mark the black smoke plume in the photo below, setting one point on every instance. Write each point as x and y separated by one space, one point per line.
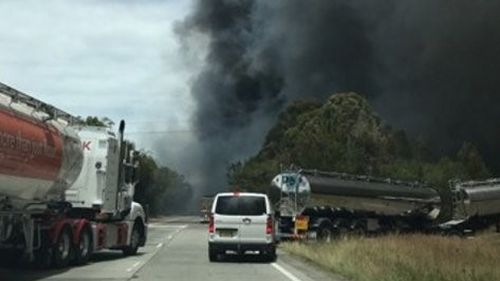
430 67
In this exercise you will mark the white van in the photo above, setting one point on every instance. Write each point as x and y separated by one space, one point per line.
241 223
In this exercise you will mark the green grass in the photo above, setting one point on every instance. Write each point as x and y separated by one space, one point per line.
407 257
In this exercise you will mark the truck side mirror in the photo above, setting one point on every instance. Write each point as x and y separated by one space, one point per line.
131 156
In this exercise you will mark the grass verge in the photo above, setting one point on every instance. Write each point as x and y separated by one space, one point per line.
406 258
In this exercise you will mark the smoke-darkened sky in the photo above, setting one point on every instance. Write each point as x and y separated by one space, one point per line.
429 67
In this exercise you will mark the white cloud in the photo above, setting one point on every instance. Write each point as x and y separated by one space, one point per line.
107 58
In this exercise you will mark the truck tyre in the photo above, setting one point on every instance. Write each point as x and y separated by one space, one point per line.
44 255
85 246
63 249
135 238
359 229
325 232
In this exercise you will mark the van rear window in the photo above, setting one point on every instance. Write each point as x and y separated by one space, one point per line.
241 205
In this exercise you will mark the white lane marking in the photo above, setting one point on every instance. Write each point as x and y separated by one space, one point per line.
285 272
133 266
138 265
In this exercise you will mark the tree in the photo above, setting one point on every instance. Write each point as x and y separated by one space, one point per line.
160 188
471 159
94 121
346 135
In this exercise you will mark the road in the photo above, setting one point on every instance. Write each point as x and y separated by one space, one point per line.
176 250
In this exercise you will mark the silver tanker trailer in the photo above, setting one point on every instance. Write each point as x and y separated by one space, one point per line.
476 204
65 188
327 204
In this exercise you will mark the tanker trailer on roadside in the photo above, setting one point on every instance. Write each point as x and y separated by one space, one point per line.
325 205
66 189
476 204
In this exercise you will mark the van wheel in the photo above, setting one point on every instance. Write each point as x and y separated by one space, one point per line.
63 249
212 254
135 237
270 255
85 246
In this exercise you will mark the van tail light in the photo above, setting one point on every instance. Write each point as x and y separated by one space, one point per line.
211 225
269 225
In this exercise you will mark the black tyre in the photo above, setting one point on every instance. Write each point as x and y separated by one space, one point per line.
213 256
270 255
325 232
359 230
43 257
85 246
63 249
135 239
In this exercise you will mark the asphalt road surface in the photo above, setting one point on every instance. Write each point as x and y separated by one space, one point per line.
176 250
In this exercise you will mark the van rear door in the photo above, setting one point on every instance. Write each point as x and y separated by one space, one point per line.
254 214
227 219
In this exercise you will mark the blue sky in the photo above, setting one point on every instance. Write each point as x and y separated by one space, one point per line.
119 59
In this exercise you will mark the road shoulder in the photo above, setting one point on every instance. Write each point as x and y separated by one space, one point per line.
305 269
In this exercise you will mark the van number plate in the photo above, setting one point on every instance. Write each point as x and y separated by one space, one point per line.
226 232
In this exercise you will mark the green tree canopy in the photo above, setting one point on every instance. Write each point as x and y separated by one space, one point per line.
345 134
160 188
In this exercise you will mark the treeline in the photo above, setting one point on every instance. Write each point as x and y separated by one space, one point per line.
163 190
345 134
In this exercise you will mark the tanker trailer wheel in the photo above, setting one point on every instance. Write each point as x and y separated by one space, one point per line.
359 229
85 246
63 249
325 232
135 238
44 255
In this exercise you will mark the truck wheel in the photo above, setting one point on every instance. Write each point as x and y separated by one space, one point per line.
63 248
85 246
44 255
359 230
325 233
43 258
135 238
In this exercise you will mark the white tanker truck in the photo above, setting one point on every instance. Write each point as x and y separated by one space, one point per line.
66 189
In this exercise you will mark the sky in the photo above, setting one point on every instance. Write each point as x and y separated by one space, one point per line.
118 59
